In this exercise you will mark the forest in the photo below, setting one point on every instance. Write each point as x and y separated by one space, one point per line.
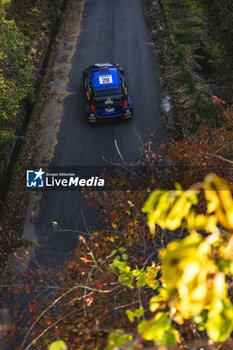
159 271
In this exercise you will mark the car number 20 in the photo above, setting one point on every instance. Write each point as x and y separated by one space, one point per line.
105 79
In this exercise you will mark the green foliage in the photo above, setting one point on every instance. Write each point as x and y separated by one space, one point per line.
24 29
191 284
159 329
219 15
143 276
117 339
126 275
188 265
5 4
31 96
135 314
156 300
15 75
58 345
219 324
185 36
216 54
200 320
187 31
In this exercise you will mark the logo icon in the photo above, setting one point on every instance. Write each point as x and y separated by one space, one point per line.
108 100
35 178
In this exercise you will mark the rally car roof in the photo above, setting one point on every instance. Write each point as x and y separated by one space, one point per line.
105 70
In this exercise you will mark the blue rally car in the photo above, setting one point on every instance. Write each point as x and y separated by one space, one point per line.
106 93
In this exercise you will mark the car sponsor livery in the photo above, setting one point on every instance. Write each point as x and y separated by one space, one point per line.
106 92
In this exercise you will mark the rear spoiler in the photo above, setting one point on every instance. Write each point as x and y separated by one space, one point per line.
103 98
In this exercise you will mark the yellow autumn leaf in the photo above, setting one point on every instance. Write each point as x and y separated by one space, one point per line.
219 199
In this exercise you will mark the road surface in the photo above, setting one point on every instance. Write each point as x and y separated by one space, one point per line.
111 31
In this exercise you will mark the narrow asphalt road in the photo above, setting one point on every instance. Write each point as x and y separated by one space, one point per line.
111 31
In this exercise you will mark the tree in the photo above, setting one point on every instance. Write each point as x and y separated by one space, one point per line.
147 292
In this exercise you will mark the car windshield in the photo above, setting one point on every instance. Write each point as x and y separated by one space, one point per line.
107 92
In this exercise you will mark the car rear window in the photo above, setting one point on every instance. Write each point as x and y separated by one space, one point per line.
107 92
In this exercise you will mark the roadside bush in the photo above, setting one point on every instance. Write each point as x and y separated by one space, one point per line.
140 288
15 76
25 30
208 149
195 59
220 14
185 21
